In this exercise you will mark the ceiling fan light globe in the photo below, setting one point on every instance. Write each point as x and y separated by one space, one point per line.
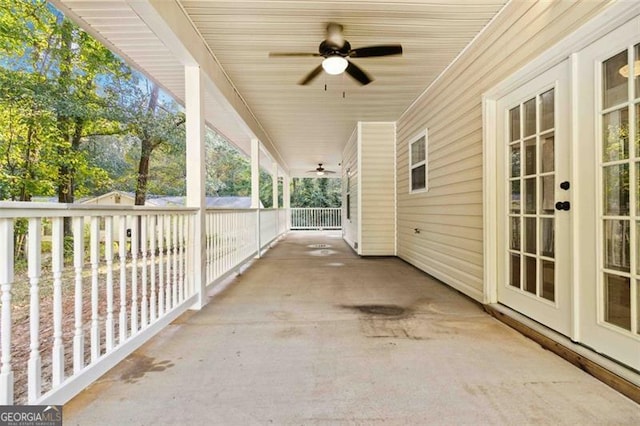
319 173
624 71
335 65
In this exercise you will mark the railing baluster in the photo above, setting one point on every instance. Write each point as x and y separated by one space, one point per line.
135 234
229 217
57 261
167 280
95 274
236 239
189 259
185 255
181 295
6 282
143 249
225 243
174 234
160 233
35 270
108 255
122 250
216 246
207 246
224 231
152 248
78 263
221 239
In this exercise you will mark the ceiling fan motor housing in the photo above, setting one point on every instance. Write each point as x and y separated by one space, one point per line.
327 49
334 35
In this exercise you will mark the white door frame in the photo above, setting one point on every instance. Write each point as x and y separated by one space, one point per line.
611 18
555 313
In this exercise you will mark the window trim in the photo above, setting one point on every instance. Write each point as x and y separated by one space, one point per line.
423 134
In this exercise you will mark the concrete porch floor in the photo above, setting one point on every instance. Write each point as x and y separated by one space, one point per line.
312 334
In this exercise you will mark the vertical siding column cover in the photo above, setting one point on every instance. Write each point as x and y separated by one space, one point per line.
350 177
377 189
449 215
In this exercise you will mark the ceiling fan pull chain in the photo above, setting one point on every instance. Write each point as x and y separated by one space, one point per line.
343 95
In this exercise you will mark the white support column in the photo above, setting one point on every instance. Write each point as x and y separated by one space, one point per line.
194 110
274 178
274 195
286 198
255 174
255 188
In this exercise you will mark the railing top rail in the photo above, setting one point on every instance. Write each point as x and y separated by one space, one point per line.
25 209
316 208
228 210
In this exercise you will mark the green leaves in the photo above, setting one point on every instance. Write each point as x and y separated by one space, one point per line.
316 192
52 78
76 120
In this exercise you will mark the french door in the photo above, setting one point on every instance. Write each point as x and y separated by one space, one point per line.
535 212
568 191
609 82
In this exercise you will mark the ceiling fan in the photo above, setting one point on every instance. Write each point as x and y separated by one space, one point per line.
337 53
320 171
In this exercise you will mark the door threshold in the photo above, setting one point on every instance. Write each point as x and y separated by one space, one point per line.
621 378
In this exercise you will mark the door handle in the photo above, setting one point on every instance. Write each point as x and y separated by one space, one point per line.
563 205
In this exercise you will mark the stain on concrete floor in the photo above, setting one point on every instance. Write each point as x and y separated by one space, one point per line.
381 310
140 365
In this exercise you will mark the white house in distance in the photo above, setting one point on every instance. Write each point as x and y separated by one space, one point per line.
500 153
123 198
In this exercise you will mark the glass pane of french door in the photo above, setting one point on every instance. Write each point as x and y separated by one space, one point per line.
532 181
620 188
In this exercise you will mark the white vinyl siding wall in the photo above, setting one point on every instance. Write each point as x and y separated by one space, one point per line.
449 216
377 188
350 164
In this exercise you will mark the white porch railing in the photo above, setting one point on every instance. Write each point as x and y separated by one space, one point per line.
75 303
316 218
230 240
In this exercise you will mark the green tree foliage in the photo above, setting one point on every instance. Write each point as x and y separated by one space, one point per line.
50 75
229 171
315 192
77 120
156 121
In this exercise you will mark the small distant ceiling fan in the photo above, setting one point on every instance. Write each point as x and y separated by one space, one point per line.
337 53
320 171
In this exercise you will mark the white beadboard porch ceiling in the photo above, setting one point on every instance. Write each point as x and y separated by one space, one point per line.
306 124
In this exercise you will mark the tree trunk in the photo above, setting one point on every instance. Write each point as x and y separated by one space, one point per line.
146 148
65 170
143 172
25 195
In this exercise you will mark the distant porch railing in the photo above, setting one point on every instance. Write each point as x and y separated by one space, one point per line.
82 287
316 218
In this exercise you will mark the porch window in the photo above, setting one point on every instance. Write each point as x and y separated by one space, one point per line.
418 163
